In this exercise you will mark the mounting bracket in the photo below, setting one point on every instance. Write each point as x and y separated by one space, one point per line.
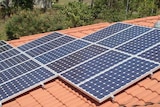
42 85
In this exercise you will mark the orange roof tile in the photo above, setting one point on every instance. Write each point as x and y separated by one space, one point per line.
59 94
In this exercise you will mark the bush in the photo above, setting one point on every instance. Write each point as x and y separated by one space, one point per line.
32 22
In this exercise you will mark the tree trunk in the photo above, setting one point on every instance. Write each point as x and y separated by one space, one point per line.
92 3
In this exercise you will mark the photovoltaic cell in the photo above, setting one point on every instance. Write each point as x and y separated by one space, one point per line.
49 46
21 83
5 48
124 36
152 54
8 54
12 61
61 51
76 58
110 81
106 32
40 41
139 44
18 70
2 43
92 67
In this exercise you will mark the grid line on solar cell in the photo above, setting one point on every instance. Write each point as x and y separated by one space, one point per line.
92 67
111 81
5 48
7 63
76 58
106 32
20 84
40 41
49 46
124 36
61 51
152 54
14 71
9 53
2 43
143 42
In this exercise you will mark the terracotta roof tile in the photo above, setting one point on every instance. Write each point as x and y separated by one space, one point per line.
156 76
77 34
12 103
147 83
59 94
156 99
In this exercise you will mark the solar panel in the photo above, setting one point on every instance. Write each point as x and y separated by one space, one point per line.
20 84
94 66
76 58
49 46
152 54
143 42
5 47
124 36
61 51
12 61
106 32
116 79
40 41
8 54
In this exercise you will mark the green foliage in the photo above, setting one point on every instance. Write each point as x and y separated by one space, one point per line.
6 8
117 10
23 4
27 21
31 22
77 14
109 10
147 8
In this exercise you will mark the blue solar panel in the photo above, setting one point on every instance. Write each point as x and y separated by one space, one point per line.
12 61
152 54
4 48
21 83
106 32
40 41
2 43
8 54
94 66
124 36
76 58
139 44
109 82
61 51
15 71
49 46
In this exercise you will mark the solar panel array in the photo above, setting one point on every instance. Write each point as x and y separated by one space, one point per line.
100 64
19 72
133 53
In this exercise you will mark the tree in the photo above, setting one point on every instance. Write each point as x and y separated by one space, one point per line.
109 10
23 4
77 14
6 7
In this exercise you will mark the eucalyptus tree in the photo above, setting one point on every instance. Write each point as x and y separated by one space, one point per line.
6 7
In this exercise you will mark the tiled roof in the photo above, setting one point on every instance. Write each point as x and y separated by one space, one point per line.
58 93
